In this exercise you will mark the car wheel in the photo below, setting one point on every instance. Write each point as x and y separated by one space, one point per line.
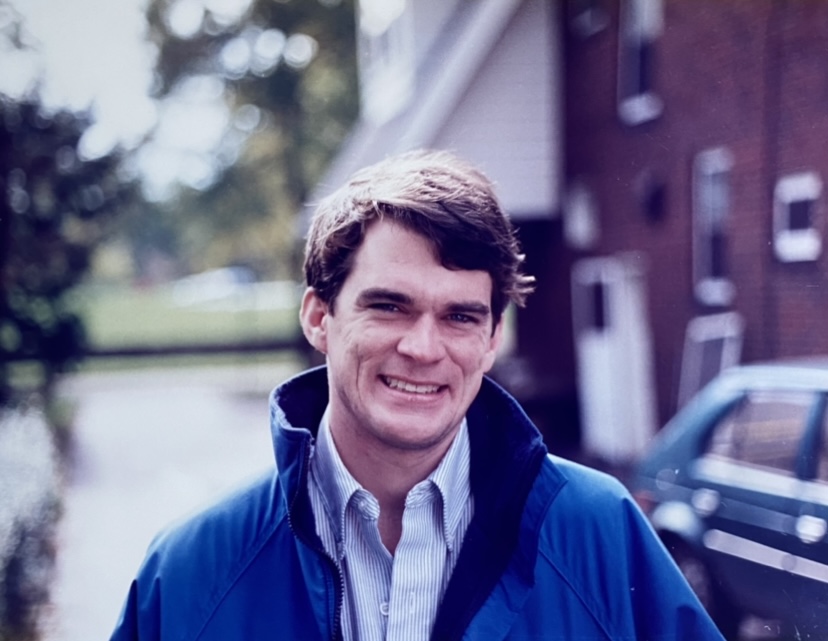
727 617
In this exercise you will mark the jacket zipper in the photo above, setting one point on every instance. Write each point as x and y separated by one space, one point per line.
338 587
340 598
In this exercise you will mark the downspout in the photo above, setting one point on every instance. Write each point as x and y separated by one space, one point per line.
772 105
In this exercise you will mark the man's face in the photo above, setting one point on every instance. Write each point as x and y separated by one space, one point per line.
408 343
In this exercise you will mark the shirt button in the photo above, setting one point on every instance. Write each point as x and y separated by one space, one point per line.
384 608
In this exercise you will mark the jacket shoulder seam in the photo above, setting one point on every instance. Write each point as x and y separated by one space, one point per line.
241 566
583 596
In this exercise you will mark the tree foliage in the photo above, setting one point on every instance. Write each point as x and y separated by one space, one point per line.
55 208
289 75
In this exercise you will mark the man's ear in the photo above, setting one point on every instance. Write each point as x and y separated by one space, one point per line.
312 316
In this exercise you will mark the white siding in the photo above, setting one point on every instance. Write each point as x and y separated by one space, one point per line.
489 88
508 120
429 18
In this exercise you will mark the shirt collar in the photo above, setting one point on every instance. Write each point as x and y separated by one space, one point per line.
338 486
452 480
333 479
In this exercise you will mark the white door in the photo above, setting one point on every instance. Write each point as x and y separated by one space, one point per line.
614 357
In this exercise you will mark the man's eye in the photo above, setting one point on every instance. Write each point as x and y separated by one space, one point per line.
462 318
385 307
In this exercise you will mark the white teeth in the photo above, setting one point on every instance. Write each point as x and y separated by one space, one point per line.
394 383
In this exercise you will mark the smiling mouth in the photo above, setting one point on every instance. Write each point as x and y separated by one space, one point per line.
411 388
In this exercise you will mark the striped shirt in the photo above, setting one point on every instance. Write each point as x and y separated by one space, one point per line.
391 598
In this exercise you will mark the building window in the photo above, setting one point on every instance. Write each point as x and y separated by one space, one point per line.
587 17
386 58
651 191
711 344
795 210
711 209
822 460
598 318
640 26
580 221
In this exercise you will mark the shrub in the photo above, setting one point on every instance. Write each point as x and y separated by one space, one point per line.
29 511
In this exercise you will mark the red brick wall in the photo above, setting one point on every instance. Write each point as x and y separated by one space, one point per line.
748 75
798 292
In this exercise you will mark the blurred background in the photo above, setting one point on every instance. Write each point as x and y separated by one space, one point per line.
159 160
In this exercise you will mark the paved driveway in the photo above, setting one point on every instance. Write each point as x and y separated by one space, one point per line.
150 447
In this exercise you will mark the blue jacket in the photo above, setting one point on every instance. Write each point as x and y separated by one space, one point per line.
555 551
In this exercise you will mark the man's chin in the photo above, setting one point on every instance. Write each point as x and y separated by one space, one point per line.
407 433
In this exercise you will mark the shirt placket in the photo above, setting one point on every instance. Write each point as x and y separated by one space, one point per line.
419 560
370 568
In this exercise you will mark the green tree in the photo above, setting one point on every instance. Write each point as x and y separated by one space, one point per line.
289 76
55 209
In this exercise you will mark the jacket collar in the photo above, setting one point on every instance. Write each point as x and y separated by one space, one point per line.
506 456
507 452
296 408
503 439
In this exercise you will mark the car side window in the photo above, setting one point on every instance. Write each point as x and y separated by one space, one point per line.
764 430
822 462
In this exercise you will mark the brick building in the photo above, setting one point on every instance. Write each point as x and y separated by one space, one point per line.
664 161
694 149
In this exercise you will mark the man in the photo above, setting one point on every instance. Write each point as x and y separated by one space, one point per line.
414 499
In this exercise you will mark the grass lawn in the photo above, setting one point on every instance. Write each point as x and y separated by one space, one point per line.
122 316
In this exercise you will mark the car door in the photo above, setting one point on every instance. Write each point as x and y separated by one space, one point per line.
809 551
749 491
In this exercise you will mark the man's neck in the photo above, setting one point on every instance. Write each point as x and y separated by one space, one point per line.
389 475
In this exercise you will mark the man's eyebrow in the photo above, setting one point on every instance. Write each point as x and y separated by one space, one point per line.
470 307
382 295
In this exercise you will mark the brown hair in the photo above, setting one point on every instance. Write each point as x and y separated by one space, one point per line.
432 193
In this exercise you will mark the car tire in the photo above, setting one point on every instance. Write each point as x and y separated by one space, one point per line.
726 616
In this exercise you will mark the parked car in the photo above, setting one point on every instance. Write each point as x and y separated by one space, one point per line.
736 485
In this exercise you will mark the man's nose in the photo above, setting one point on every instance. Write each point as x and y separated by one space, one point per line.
422 340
